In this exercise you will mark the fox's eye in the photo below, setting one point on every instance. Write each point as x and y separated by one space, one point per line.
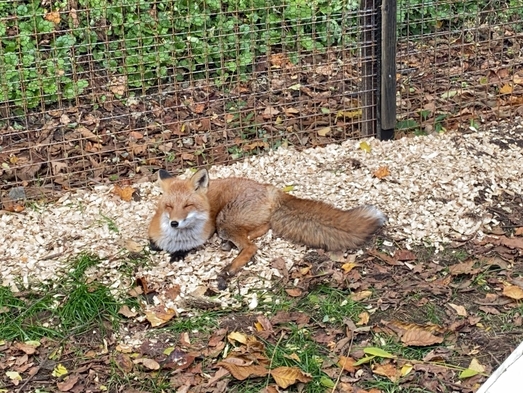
188 206
168 207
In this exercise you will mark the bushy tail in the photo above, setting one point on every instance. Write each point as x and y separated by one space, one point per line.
319 225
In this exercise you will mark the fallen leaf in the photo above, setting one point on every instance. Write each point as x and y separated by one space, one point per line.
518 231
125 193
59 371
406 369
462 268
270 112
53 17
419 337
238 337
151 364
459 309
506 89
365 146
244 370
159 315
27 347
347 363
14 377
381 172
294 292
358 296
287 376
512 291
388 370
404 255
68 383
351 115
374 351
364 318
123 362
324 131
347 267
127 312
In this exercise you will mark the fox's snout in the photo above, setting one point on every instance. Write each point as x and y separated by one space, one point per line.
174 224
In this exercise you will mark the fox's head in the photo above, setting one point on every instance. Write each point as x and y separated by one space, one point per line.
184 203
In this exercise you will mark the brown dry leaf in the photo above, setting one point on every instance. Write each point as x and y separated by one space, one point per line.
270 112
68 383
462 268
87 134
347 363
404 255
506 89
173 292
238 337
125 193
381 172
242 370
512 291
293 356
53 17
187 156
26 348
118 89
136 135
388 370
124 362
278 60
159 315
270 389
294 292
324 69
127 312
459 309
364 318
518 231
385 258
347 267
198 108
287 376
358 296
150 364
419 337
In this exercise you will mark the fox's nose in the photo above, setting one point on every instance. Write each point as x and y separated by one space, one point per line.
175 224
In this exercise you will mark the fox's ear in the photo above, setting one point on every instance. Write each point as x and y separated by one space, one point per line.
163 176
200 180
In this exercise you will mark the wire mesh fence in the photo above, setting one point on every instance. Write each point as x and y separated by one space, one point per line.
99 91
460 64
94 91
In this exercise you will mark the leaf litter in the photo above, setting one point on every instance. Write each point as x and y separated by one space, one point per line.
448 265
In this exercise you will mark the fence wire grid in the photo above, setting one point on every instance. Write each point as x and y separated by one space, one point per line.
101 91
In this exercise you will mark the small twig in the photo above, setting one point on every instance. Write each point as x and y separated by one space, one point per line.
341 367
272 357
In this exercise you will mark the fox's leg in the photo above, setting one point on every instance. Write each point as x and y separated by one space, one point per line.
242 239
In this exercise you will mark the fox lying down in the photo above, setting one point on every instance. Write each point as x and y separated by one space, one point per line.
240 210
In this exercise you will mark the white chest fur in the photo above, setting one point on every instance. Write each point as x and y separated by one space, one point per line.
189 234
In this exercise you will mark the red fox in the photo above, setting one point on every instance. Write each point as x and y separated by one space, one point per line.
240 210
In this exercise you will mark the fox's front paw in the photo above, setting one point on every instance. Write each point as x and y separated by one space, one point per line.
178 255
223 280
153 246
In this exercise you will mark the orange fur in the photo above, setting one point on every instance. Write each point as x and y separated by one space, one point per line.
240 210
